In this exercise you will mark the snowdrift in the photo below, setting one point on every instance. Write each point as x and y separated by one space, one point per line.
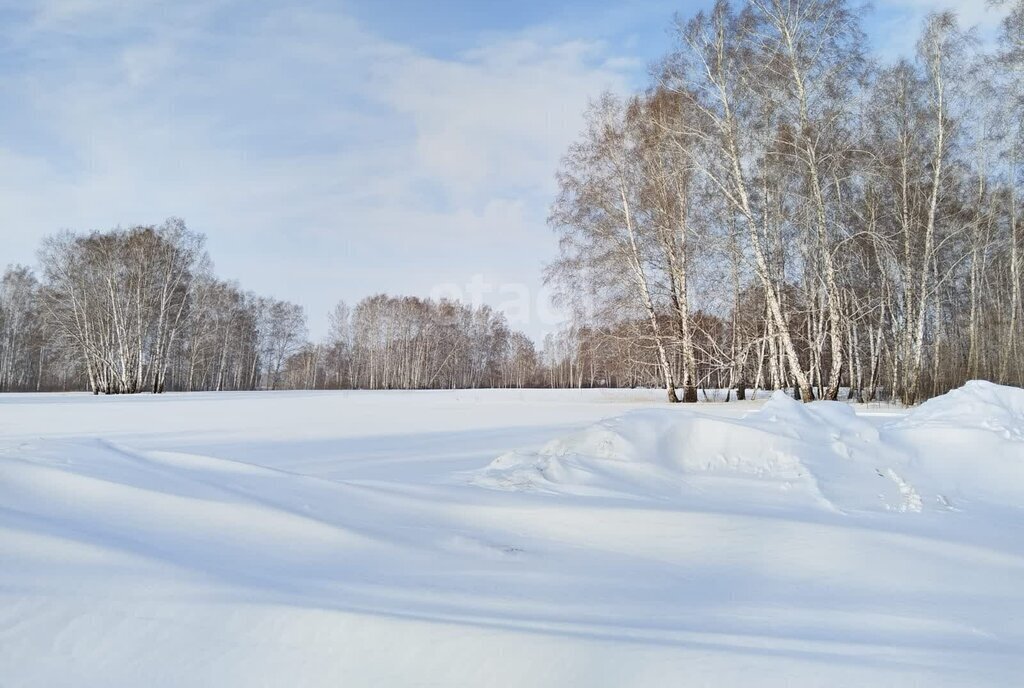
965 445
328 539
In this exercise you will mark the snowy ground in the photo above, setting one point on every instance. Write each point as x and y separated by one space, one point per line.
505 538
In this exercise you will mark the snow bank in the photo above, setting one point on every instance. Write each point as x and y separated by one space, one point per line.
970 442
821 453
978 405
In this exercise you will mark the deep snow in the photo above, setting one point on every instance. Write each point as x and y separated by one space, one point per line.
506 538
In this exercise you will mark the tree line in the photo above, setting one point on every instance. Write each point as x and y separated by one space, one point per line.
388 342
139 309
777 209
781 209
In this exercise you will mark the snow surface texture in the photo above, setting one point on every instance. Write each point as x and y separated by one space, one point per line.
372 539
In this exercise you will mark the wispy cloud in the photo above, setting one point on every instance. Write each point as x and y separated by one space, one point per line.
302 143
897 24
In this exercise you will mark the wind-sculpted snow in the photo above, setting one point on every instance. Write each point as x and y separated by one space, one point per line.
788 454
302 539
978 405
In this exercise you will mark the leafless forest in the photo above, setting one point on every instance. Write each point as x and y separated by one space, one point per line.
778 209
140 310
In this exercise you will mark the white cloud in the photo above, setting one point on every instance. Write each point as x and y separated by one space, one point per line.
901 22
306 147
499 115
970 12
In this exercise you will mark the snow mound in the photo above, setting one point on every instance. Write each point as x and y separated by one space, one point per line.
978 405
971 442
788 454
785 447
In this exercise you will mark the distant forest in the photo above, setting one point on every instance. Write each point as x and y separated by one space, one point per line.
140 310
777 209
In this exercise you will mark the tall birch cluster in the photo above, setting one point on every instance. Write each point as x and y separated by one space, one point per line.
778 209
134 310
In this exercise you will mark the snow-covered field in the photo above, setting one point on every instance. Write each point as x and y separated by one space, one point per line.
506 538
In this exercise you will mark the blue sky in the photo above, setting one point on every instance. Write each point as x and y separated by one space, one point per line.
328 150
